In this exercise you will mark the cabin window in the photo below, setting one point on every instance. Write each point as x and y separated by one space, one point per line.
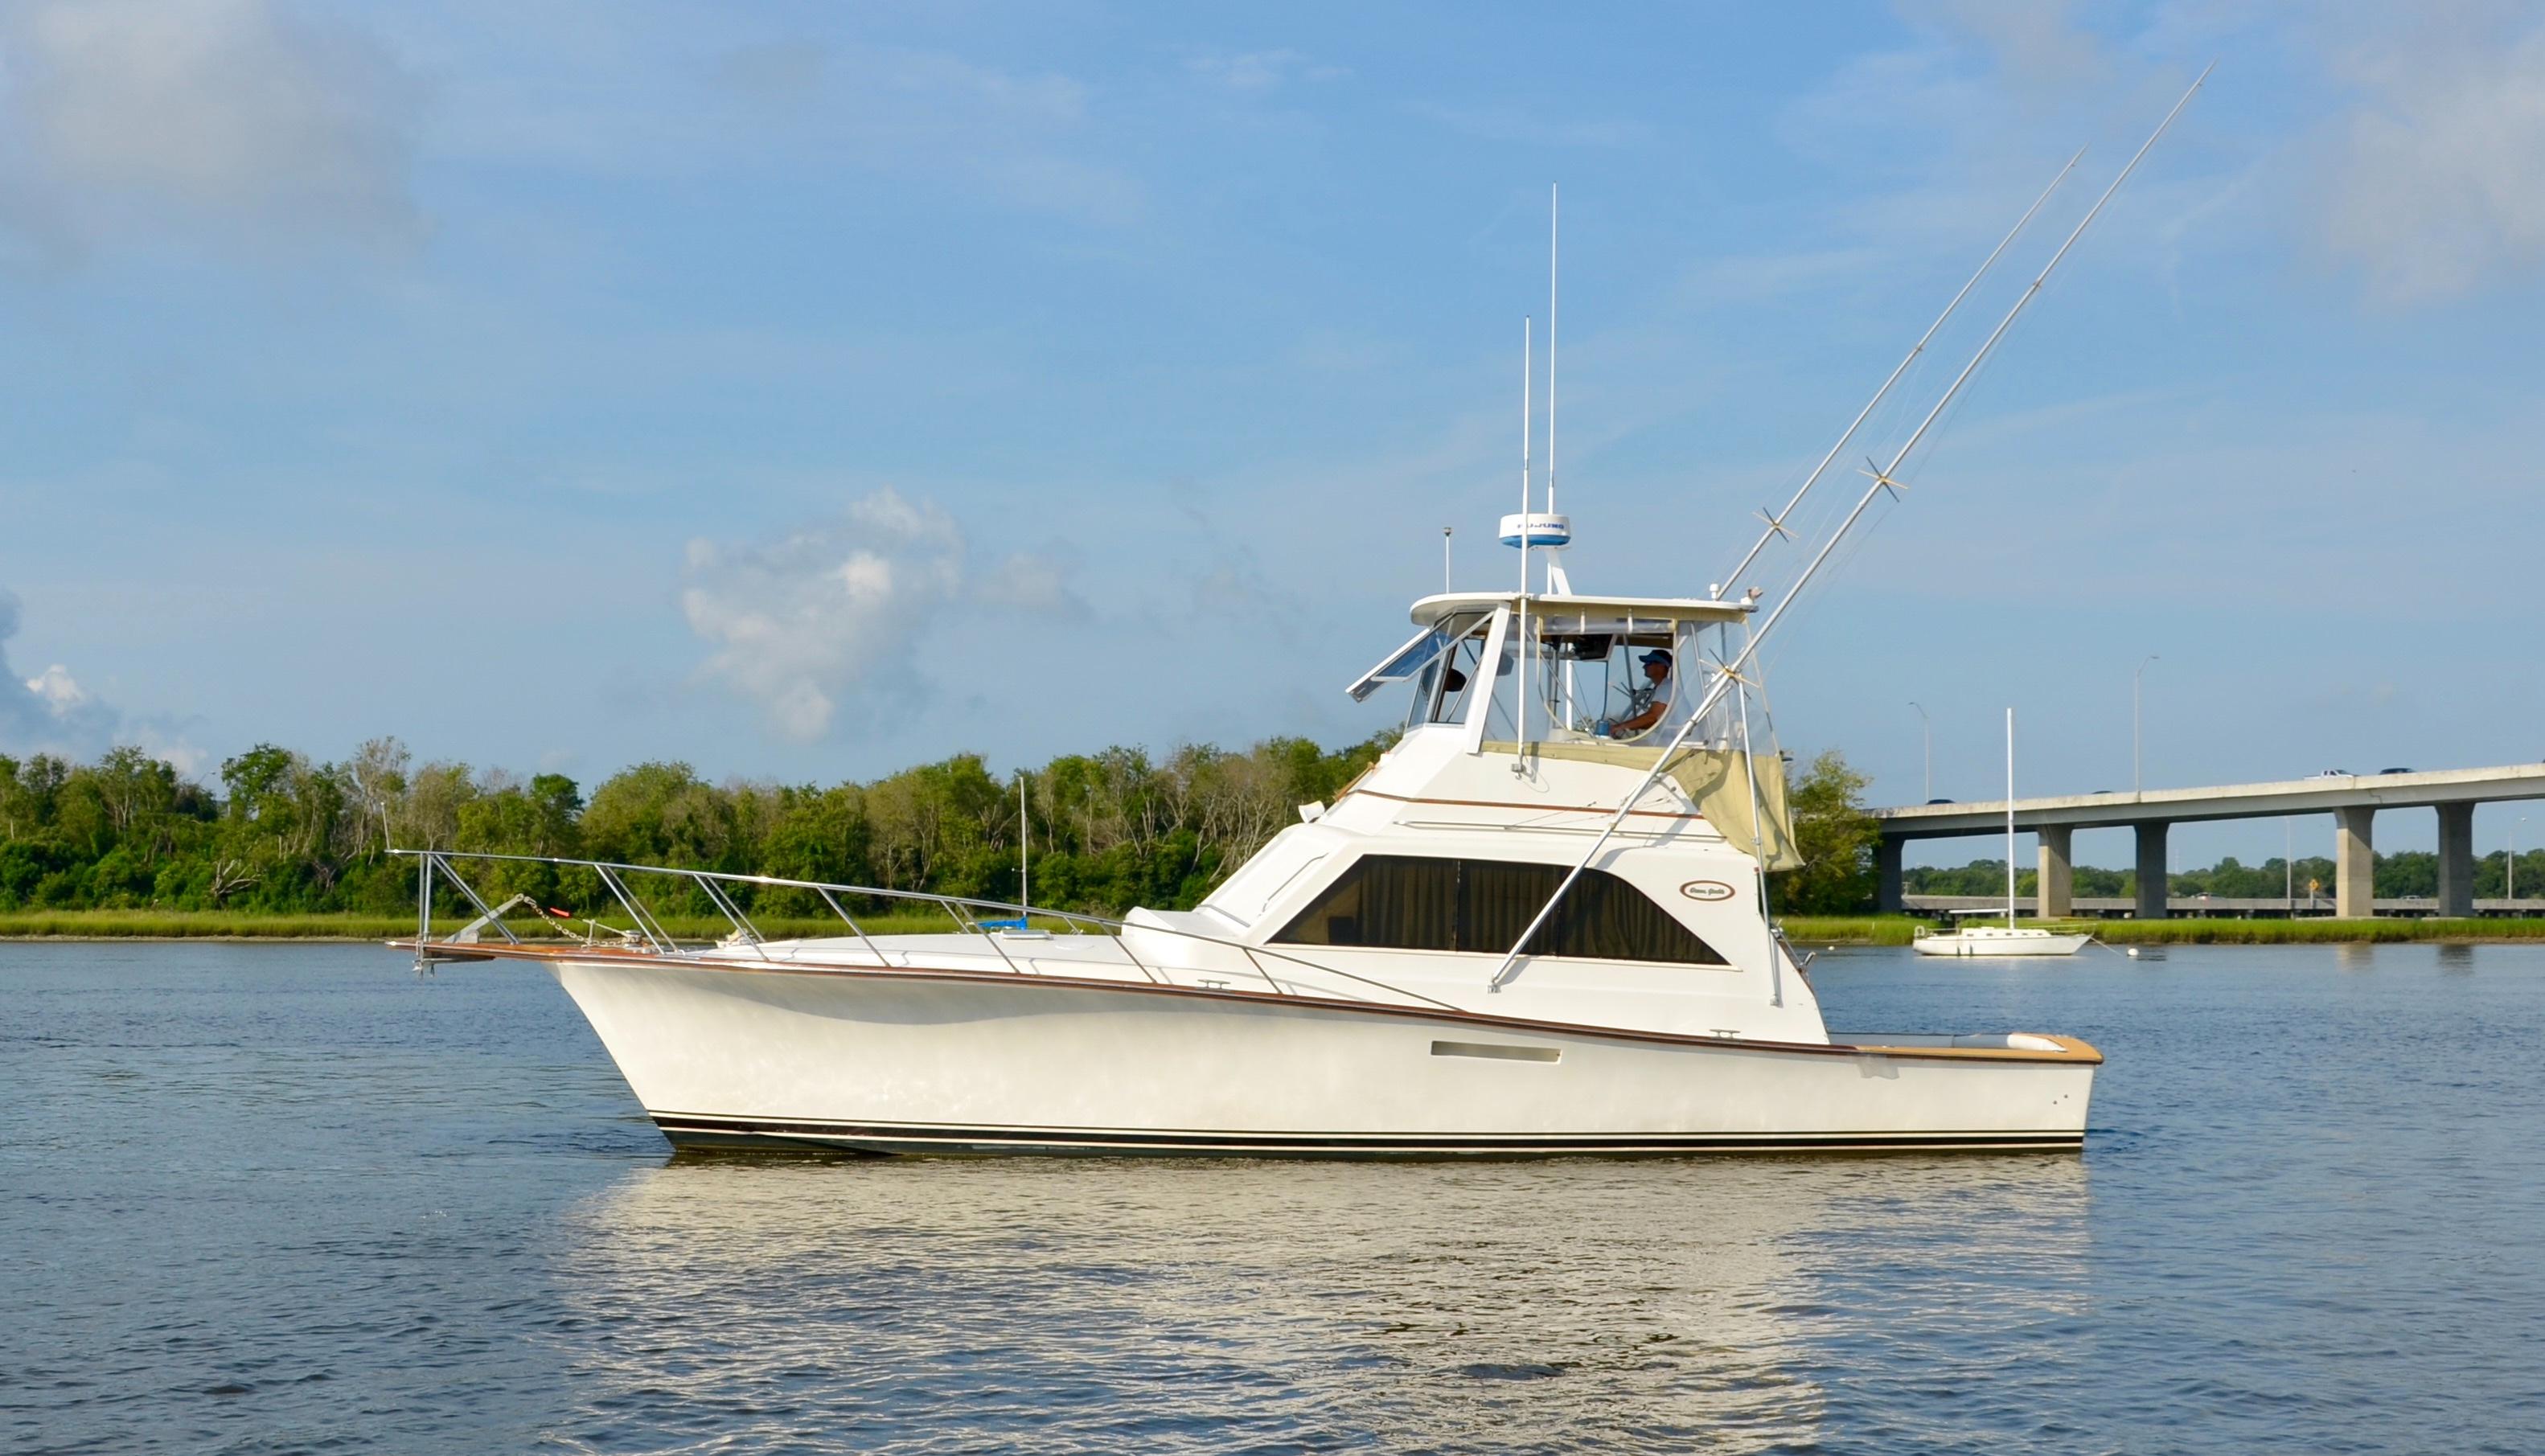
1405 902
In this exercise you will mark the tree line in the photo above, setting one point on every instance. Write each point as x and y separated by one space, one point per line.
280 832
2400 876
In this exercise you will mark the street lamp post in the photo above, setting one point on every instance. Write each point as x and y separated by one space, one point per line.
2511 865
1926 731
2138 776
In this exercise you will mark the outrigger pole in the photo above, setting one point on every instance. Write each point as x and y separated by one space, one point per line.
1730 673
1777 522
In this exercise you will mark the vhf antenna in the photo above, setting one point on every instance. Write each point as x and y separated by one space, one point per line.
1520 704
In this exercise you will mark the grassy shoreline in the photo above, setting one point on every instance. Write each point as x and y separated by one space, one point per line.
1898 929
1805 931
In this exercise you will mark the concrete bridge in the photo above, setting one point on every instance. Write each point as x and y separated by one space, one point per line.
2353 799
2301 906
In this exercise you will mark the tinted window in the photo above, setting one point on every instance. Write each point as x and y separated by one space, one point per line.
1394 901
1401 902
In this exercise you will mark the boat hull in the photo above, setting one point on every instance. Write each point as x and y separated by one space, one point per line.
1993 947
899 1062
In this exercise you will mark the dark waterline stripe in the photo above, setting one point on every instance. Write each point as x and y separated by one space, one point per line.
702 1131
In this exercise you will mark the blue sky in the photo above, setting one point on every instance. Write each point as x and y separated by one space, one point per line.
806 390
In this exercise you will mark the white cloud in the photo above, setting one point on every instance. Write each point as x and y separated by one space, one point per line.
58 689
241 114
51 712
48 711
2439 187
1026 582
843 607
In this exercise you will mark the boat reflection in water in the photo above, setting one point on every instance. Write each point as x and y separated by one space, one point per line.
1055 1303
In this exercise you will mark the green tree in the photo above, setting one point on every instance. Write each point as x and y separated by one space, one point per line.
814 833
538 820
1836 837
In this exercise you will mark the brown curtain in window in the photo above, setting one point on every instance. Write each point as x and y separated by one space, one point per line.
1602 917
1391 901
1409 902
1404 902
1498 900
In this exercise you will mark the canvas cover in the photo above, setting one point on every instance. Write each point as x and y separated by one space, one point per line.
1717 781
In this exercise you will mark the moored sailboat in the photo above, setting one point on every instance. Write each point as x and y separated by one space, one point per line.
2011 938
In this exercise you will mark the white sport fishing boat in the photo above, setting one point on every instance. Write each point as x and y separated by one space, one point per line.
1489 943
1537 924
2010 939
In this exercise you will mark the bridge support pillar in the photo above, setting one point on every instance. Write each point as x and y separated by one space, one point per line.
2152 882
1886 876
2456 859
2354 863
2057 894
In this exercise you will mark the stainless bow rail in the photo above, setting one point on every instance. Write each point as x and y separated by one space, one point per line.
650 936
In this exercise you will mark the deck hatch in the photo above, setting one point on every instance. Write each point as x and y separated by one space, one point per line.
1497 1052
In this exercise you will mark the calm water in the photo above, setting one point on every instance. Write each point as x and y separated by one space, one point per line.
294 1198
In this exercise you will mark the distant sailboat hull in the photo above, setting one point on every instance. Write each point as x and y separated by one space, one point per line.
798 1060
1995 940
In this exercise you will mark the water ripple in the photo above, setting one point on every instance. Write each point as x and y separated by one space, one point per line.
293 1199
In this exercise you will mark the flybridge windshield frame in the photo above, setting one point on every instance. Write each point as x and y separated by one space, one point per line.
1572 695
1404 661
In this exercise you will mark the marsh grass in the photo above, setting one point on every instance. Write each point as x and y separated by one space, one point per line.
2312 932
1808 930
1898 929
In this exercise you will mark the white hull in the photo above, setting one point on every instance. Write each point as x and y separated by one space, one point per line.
964 1062
1993 944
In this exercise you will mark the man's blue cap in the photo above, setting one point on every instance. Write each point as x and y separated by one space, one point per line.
1655 656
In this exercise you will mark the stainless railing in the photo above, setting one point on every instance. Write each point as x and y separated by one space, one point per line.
650 935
